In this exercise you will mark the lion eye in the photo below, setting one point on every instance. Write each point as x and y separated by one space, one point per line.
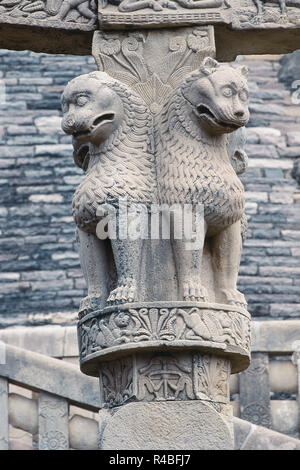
82 100
227 92
243 95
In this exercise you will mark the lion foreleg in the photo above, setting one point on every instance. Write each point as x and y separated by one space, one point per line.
226 251
94 264
127 251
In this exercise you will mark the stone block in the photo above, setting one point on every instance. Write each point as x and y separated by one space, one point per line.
83 433
165 425
285 417
23 413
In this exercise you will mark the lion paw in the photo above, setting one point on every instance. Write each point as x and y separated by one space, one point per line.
168 4
193 291
235 297
156 6
125 292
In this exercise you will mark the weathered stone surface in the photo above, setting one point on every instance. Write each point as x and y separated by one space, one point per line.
275 336
23 413
174 426
280 369
83 433
251 437
290 68
285 417
3 412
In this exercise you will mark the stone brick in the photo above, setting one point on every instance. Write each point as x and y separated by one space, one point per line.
58 150
47 198
281 198
43 275
263 151
256 196
293 138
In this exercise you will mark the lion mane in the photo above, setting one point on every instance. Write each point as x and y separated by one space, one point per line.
123 166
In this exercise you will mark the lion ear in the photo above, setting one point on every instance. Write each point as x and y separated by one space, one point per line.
244 70
209 65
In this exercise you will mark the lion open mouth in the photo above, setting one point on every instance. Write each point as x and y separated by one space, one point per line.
103 118
204 111
108 117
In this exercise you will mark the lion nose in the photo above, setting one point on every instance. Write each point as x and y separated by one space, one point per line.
239 114
68 124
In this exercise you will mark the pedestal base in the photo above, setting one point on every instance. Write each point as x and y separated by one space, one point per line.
177 425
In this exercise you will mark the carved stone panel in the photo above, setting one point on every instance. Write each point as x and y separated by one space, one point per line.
260 14
59 14
53 423
164 376
161 13
153 63
131 326
255 391
239 14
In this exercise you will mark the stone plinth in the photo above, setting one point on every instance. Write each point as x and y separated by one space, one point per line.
180 425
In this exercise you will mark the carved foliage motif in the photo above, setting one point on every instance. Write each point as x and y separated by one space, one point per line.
136 325
54 11
116 382
164 377
128 58
211 377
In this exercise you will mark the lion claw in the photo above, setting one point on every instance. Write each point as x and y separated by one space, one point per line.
194 292
235 297
123 293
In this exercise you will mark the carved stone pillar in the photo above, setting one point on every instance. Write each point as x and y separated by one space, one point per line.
163 325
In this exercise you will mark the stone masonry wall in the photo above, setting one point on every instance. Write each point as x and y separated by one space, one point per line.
40 276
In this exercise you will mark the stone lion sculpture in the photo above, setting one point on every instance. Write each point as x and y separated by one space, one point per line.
111 129
194 167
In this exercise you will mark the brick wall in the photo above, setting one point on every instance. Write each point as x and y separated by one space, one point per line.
40 277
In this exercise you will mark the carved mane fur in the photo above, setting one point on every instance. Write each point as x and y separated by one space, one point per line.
193 167
121 167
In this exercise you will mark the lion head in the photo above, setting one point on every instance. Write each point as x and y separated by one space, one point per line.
218 95
85 116
92 111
